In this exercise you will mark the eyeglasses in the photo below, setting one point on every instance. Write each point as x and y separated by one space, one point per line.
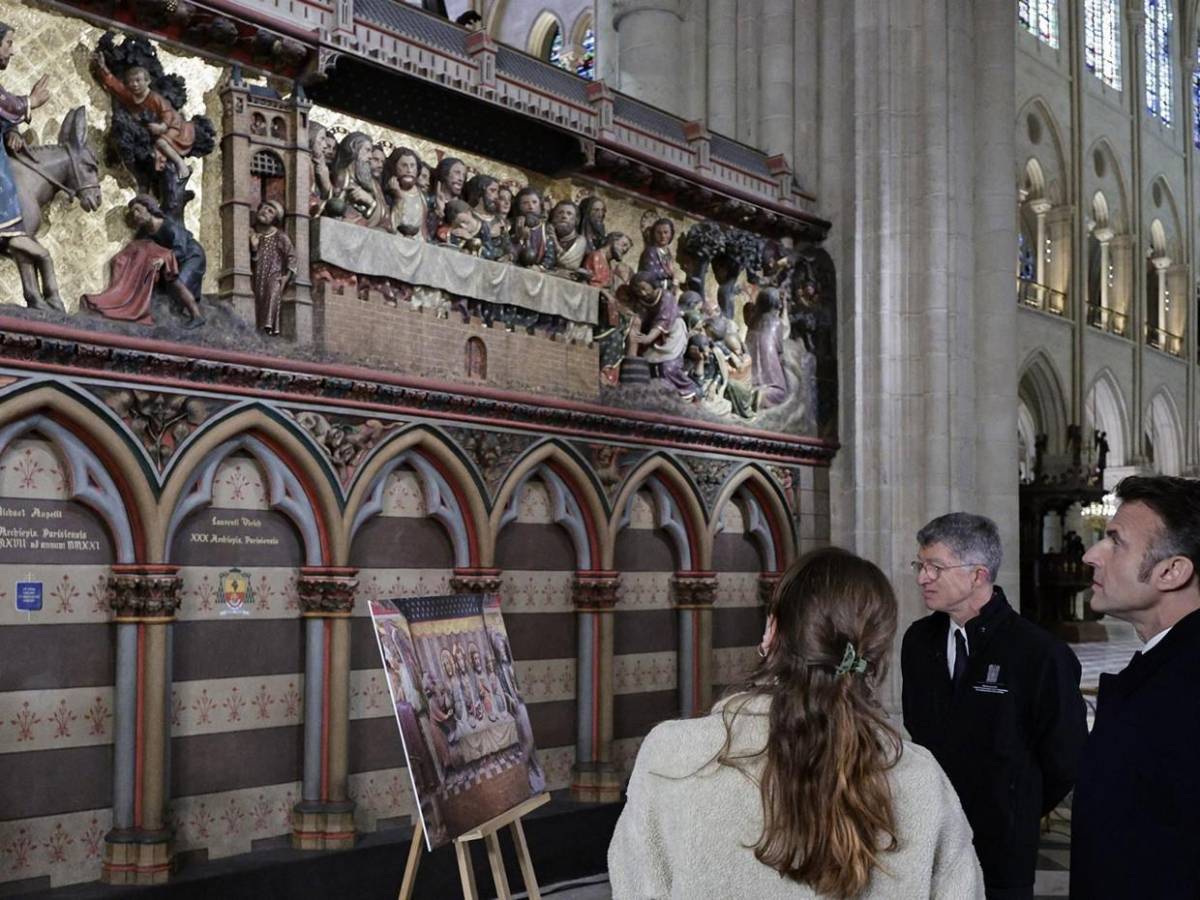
933 570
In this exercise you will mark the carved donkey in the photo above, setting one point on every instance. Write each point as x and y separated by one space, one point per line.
39 173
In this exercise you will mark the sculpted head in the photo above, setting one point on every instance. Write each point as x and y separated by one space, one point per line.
529 205
404 166
565 218
450 175
483 193
6 44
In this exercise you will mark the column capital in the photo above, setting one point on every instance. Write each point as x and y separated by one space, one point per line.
623 8
595 591
326 591
767 582
694 589
144 593
475 581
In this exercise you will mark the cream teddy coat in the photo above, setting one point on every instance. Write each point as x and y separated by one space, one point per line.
689 825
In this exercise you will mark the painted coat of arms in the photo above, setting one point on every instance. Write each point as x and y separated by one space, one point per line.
236 592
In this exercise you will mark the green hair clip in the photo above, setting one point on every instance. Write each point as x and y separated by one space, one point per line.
852 663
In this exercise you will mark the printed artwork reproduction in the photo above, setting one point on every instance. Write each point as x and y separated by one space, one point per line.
466 732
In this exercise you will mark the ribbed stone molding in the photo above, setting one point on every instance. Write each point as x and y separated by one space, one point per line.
324 817
693 594
144 600
593 777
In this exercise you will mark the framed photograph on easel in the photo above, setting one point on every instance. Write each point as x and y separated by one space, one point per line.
466 732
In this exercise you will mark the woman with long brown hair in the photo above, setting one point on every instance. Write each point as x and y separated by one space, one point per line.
797 785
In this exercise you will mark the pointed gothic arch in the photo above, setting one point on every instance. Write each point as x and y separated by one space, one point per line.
578 501
452 490
1040 388
680 511
1105 410
299 483
1163 427
1102 171
102 467
1039 138
769 521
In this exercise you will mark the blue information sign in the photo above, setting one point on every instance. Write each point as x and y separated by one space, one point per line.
29 596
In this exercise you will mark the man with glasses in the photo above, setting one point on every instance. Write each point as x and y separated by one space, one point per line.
994 697
1136 811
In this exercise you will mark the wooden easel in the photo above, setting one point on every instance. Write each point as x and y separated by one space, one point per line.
486 833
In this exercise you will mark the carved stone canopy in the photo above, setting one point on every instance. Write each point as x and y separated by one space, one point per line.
595 591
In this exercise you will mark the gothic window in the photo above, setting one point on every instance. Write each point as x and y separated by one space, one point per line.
1025 261
1039 18
586 67
1158 59
1102 40
267 170
1196 100
556 48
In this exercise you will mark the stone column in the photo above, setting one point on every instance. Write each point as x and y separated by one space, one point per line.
648 35
324 817
776 79
722 66
144 600
918 153
594 777
693 594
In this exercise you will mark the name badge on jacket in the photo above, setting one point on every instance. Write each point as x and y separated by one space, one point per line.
991 685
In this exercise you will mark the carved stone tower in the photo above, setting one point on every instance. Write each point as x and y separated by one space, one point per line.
265 155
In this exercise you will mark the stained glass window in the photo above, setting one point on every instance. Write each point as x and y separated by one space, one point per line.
1102 40
556 47
1158 59
1025 262
1196 100
586 67
1039 18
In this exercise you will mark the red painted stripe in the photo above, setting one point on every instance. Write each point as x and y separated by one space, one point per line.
139 736
460 498
326 664
310 491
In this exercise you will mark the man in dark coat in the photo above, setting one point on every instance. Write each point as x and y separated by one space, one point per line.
1135 825
994 697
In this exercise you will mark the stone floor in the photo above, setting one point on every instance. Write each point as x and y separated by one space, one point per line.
1055 852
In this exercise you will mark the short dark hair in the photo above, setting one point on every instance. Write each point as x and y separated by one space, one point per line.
973 539
150 204
1176 502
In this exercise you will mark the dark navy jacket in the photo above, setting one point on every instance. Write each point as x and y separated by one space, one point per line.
1135 817
1009 738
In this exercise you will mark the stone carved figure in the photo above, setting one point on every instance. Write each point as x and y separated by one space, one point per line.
409 204
324 151
357 195
461 228
448 181
656 257
162 252
31 176
662 337
764 339
533 245
1100 439
592 212
571 247
482 194
148 134
273 263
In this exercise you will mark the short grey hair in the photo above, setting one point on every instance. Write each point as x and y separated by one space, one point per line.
972 538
